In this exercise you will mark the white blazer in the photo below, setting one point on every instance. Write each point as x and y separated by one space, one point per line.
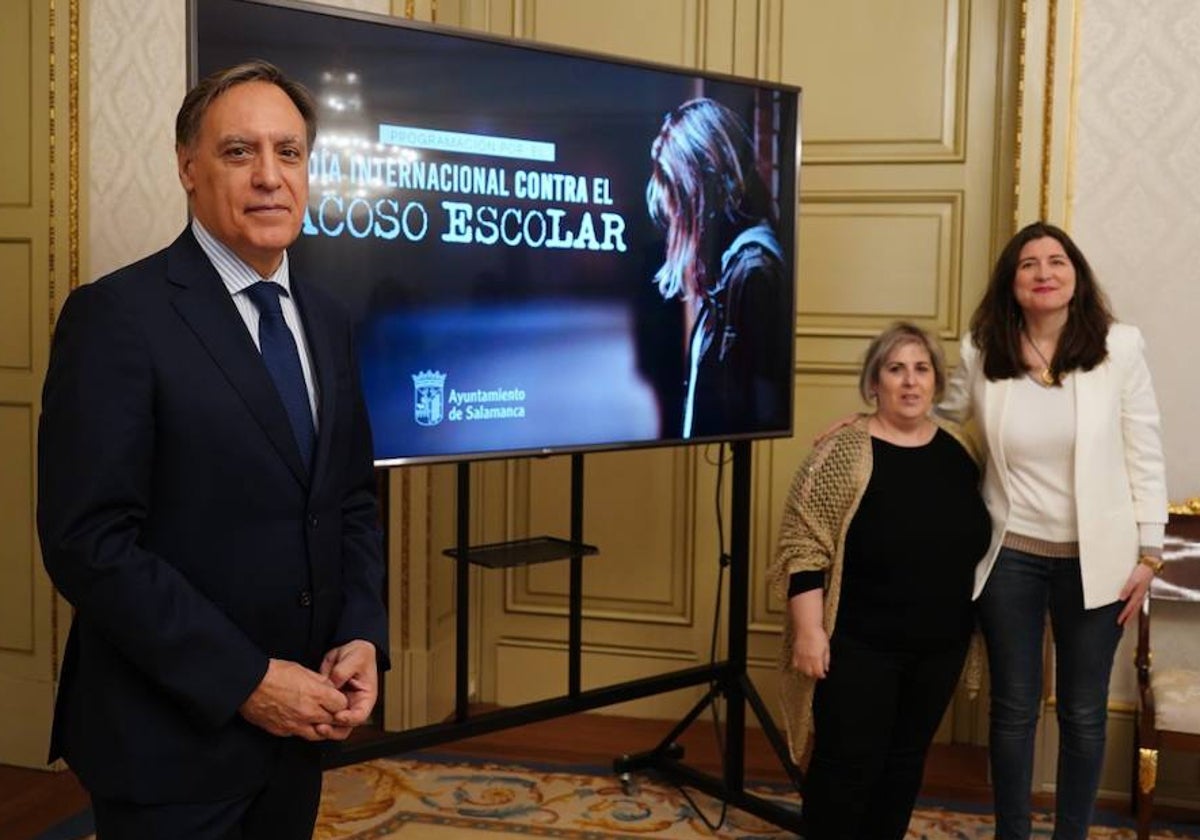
1119 472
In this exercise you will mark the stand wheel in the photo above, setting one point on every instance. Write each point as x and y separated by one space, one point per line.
629 785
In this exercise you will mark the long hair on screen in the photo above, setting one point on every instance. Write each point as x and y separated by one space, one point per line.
704 188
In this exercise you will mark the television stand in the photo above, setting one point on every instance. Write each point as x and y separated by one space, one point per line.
727 679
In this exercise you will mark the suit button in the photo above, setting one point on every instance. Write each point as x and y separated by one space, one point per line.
305 598
312 521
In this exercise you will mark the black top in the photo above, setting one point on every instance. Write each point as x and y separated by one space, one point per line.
912 547
744 372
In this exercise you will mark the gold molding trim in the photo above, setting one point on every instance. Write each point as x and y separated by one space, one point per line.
73 243
1188 507
1072 112
623 651
50 281
949 147
72 99
1147 769
51 152
1048 107
1048 104
410 10
1019 122
72 274
617 616
52 222
773 42
949 207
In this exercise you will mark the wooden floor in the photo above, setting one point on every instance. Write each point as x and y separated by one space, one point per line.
33 800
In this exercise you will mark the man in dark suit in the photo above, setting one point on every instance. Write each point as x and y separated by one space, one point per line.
206 500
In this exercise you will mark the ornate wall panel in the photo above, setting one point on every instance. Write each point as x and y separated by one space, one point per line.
494 16
1136 193
906 244
774 463
543 664
641 526
884 79
665 30
16 98
838 396
721 48
136 77
16 312
17 556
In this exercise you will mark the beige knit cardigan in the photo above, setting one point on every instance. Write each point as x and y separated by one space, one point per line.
823 499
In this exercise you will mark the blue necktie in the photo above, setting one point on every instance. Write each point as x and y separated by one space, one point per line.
282 359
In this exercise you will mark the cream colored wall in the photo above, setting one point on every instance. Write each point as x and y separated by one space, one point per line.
1136 193
135 77
1134 160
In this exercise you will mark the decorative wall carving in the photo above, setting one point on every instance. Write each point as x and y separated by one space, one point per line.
136 77
1136 159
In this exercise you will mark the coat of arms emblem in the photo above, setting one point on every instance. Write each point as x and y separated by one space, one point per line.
428 399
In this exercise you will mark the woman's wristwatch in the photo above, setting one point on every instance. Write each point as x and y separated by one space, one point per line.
1155 563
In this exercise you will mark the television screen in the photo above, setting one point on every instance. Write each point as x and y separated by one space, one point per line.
543 251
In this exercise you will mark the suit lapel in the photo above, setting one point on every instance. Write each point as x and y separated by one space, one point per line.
995 398
204 303
1091 386
321 350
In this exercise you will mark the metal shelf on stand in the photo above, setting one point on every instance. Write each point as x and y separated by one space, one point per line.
506 555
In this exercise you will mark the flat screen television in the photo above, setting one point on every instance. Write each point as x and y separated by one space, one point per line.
543 250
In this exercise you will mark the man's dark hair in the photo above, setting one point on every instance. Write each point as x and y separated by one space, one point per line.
201 97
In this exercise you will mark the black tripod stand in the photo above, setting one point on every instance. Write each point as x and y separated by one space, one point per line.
729 681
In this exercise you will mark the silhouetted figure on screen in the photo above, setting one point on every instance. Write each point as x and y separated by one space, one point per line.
724 261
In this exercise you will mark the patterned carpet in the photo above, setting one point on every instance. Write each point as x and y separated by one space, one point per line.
441 797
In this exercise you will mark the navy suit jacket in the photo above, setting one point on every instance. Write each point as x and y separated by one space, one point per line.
177 518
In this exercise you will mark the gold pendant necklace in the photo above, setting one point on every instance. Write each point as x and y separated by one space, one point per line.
1046 377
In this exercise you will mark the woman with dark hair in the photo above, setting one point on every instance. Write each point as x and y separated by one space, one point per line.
723 259
1076 491
879 539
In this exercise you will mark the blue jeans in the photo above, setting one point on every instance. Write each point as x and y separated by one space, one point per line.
1012 612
